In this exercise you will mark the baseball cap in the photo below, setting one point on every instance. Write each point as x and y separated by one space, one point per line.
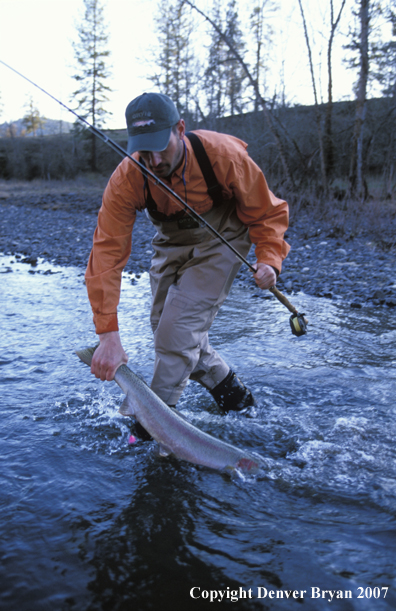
150 118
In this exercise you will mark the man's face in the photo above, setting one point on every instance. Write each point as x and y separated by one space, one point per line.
163 163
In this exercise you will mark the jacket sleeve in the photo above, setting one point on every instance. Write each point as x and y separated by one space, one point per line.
112 244
266 216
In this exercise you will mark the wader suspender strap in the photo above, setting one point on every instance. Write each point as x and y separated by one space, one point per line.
214 189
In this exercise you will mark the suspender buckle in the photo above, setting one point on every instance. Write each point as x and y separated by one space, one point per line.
187 222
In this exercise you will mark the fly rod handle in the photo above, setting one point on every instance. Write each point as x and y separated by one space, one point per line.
281 297
275 291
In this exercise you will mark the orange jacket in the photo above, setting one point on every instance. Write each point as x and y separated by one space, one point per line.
265 215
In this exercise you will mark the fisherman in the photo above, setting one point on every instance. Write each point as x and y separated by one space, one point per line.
192 271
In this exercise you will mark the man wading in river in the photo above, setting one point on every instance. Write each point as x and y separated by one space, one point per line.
192 271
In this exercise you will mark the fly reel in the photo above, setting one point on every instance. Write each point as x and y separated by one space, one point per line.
298 324
297 321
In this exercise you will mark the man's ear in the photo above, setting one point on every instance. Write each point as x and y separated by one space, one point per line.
181 128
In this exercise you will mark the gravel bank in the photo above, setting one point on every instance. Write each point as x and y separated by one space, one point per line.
58 225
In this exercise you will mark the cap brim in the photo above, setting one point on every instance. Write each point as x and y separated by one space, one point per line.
155 141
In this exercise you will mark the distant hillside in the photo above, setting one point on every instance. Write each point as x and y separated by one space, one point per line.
49 128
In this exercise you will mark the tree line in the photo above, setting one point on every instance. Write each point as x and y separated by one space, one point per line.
232 80
215 65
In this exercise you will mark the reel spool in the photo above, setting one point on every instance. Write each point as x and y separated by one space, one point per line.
298 324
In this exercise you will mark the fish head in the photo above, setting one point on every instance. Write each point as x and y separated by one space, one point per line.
248 465
86 354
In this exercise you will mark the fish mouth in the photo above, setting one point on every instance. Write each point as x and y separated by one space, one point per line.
247 464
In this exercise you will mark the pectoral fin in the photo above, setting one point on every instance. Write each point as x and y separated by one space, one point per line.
127 408
163 450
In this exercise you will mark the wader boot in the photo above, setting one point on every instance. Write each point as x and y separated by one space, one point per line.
232 395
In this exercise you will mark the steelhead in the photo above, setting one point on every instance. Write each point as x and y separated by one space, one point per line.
174 434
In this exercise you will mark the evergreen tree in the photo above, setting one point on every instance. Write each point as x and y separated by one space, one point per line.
92 73
386 56
386 76
224 75
175 73
234 73
214 80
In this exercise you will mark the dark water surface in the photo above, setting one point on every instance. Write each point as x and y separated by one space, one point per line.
91 523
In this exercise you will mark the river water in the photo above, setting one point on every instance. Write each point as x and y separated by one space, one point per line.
90 522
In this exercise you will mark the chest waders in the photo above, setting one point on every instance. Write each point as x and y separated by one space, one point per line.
191 275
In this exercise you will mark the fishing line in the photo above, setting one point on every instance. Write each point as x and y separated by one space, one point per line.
297 321
143 169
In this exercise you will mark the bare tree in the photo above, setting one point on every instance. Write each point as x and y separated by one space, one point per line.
317 111
328 128
262 36
325 135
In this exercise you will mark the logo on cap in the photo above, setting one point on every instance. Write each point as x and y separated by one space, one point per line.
143 123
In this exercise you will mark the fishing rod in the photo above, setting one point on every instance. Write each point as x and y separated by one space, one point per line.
298 323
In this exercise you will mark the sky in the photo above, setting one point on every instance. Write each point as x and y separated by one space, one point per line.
36 39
